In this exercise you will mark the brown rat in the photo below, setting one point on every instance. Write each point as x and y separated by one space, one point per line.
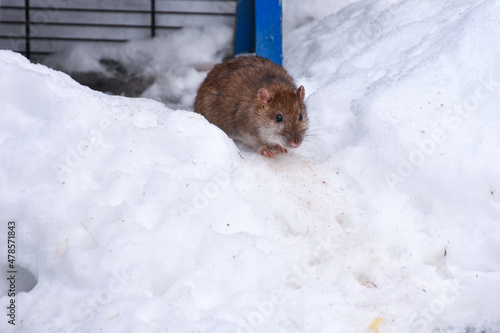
255 102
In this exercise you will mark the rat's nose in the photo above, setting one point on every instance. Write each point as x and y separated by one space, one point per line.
294 143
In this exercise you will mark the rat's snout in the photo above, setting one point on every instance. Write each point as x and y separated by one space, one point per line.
294 143
294 140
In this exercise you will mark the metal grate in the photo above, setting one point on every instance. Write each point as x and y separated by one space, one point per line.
37 28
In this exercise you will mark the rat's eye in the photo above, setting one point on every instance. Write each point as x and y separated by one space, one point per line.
279 117
300 117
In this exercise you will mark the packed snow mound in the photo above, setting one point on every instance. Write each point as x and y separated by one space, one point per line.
134 217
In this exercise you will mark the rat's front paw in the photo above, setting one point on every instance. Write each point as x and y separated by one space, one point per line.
263 150
280 149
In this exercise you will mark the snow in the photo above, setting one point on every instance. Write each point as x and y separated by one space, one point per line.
135 217
300 12
168 69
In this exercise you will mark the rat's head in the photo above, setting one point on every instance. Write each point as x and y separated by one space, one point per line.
285 121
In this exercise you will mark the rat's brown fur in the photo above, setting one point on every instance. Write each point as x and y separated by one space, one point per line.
244 95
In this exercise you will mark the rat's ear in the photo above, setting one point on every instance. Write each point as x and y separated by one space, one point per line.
263 95
301 92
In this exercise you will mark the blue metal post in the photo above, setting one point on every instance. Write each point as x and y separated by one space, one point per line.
245 27
268 31
258 29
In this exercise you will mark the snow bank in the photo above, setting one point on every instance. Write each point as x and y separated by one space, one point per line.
133 217
405 98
